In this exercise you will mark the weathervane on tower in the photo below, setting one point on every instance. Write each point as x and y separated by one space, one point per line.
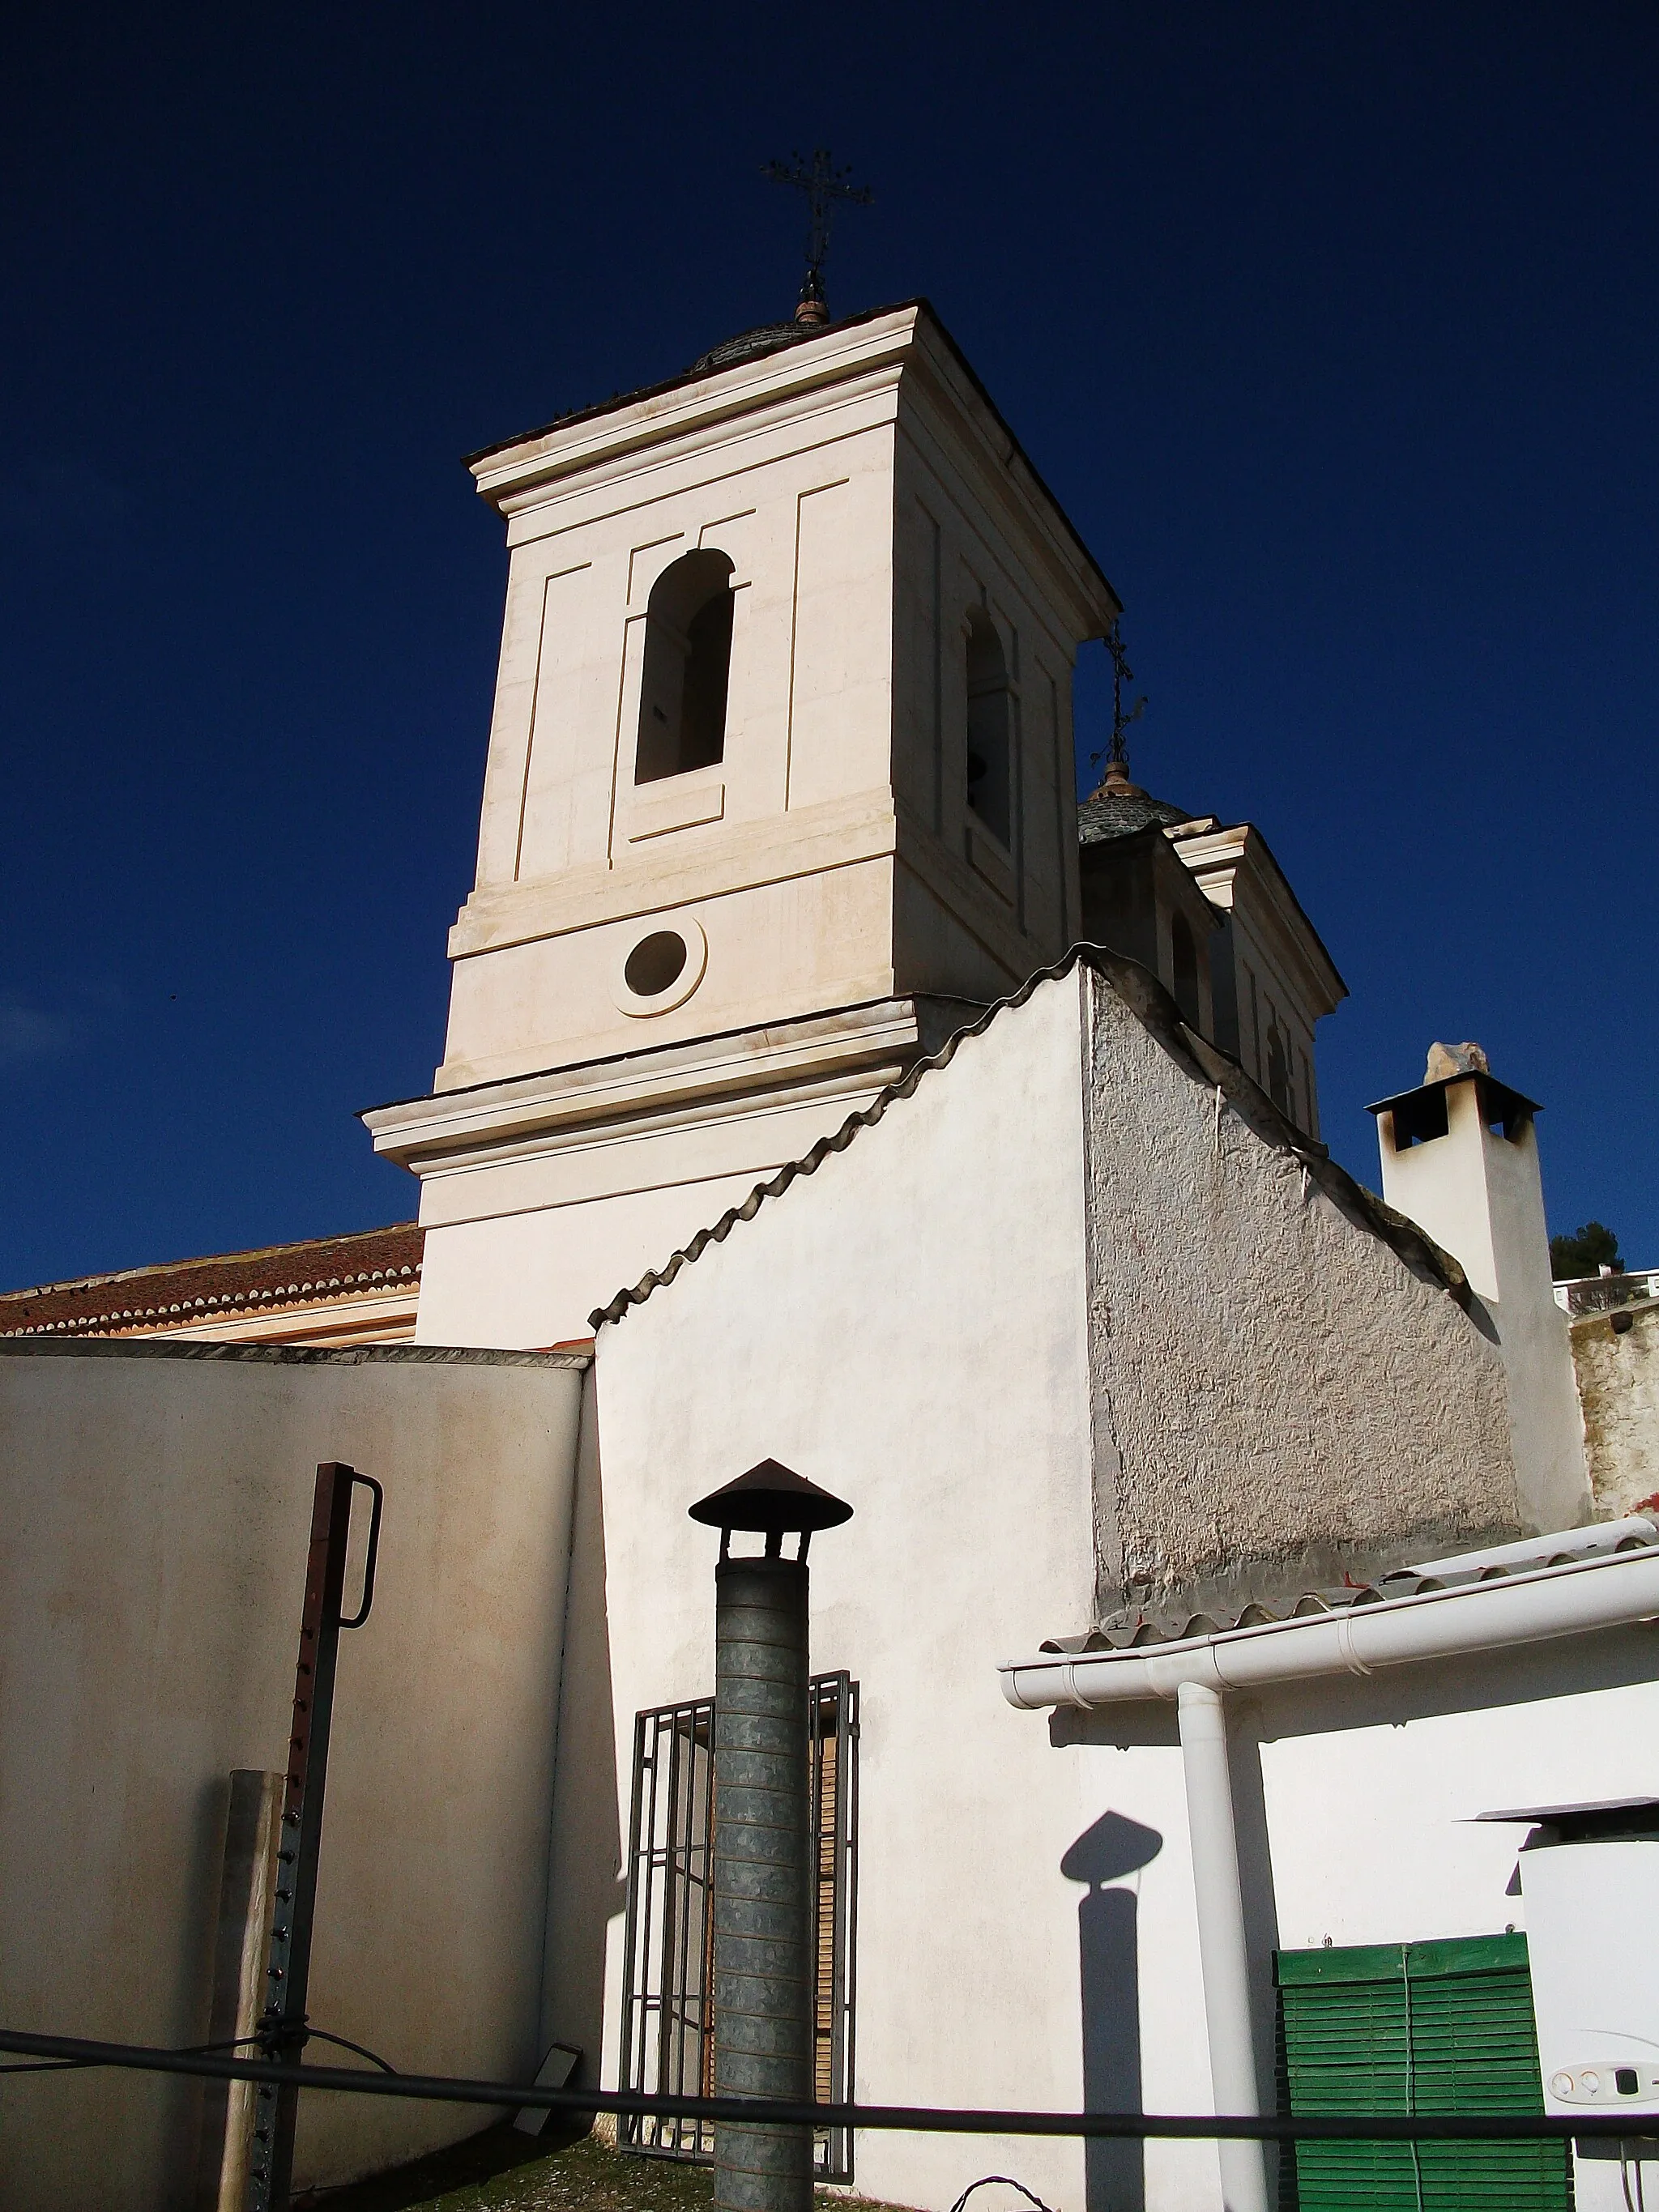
1116 778
823 185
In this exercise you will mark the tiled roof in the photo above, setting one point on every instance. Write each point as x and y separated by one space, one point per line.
1157 1012
323 1270
1110 814
1131 1628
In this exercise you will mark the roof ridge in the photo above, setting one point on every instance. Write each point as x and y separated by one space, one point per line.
1157 1012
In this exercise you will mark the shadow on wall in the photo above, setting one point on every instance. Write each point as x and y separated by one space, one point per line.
587 1887
1109 1967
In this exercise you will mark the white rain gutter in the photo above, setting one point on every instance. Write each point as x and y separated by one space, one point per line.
1607 1591
1610 1590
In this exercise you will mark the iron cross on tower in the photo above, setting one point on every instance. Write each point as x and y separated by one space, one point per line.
823 185
1117 759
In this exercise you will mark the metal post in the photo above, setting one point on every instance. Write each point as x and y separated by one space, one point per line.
763 1872
763 1878
282 2030
1223 1957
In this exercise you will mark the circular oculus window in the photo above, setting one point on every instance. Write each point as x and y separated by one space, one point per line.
660 969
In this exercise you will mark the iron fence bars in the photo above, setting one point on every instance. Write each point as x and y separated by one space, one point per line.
668 2021
833 1727
667 2045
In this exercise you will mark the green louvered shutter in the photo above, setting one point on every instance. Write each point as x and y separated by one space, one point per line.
1424 2027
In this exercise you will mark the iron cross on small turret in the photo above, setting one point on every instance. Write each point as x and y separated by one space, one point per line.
823 185
1117 759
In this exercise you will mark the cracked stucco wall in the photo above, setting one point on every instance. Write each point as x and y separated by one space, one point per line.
1278 1398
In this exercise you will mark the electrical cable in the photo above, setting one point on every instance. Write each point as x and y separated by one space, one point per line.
916 2119
199 2051
1001 2181
345 2044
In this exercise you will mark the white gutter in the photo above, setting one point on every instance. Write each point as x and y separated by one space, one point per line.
1596 1536
1608 1591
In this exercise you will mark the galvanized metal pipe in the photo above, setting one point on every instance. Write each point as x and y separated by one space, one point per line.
762 1871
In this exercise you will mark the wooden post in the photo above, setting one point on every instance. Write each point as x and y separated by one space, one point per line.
251 1836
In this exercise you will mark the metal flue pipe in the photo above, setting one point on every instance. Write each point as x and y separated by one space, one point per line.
763 1872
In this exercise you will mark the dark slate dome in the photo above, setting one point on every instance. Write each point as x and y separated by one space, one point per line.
1119 810
752 345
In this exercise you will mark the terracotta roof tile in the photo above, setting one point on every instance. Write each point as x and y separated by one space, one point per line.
322 1269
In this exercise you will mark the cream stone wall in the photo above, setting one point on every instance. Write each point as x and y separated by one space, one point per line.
154 1515
1618 1377
1279 972
866 496
1274 1389
869 500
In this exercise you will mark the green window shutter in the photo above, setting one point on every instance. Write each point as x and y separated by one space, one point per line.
1423 2027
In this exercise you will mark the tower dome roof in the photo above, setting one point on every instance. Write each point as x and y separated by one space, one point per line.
750 345
1119 808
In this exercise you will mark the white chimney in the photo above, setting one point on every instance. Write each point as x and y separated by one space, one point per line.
1460 1157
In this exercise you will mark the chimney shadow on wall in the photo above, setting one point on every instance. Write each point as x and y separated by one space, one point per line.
1109 1958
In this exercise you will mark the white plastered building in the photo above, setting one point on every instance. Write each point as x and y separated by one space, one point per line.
1219 1551
1066 1297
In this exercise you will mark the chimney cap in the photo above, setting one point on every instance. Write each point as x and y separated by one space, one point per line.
772 1500
1498 1101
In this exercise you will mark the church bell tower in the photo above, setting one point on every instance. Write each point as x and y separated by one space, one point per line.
780 773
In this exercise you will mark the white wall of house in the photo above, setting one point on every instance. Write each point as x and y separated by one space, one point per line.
1356 1803
909 1326
155 1503
852 1329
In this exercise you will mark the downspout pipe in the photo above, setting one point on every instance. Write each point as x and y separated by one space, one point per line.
1222 1957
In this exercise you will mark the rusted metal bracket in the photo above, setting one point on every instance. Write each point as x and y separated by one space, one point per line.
283 2030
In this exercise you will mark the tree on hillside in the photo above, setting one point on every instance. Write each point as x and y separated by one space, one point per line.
1586 1252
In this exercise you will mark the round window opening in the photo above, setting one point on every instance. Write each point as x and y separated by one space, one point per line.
656 963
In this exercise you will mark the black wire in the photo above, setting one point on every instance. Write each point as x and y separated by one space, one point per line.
771 2111
323 2036
195 2050
1001 2181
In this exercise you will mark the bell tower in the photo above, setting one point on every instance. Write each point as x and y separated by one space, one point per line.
779 773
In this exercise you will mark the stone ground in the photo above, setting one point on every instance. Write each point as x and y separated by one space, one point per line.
502 2170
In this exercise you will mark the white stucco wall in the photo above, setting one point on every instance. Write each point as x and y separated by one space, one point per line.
1357 1804
155 1517
905 1326
1274 1388
908 1327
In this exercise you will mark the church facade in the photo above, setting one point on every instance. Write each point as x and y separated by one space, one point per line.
823 1084
779 792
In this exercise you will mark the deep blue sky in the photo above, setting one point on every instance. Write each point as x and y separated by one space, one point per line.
1332 326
